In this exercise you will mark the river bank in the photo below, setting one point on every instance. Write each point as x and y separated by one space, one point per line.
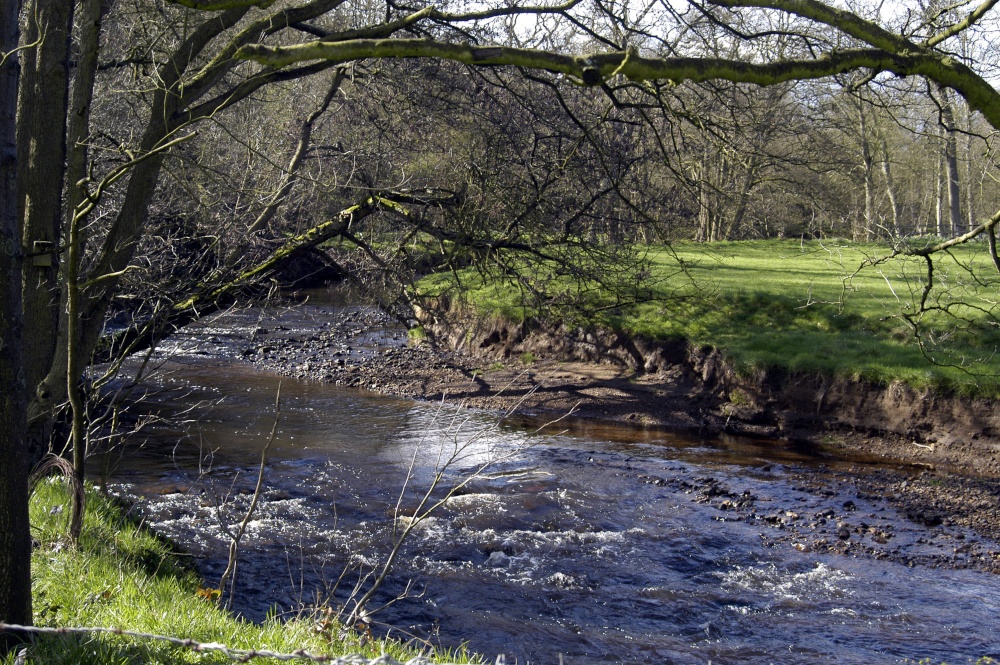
959 491
121 577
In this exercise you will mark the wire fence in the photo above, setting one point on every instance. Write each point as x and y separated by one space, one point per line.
237 655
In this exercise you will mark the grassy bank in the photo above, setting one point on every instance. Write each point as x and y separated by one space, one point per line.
122 576
803 306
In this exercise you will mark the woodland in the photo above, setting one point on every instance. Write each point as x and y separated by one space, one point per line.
163 159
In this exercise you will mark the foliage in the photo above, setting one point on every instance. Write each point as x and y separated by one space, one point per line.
828 307
123 576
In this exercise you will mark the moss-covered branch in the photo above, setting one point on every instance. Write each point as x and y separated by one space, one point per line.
989 226
210 296
216 5
839 19
264 26
636 68
974 16
593 69
888 52
283 254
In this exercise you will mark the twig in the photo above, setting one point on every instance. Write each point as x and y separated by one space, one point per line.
426 503
235 539
73 485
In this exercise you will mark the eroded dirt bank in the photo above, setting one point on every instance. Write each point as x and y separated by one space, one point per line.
951 477
676 384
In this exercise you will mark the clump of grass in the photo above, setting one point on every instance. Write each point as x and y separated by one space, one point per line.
738 397
416 335
122 576
804 307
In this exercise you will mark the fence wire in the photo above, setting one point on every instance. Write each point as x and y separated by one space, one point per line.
237 655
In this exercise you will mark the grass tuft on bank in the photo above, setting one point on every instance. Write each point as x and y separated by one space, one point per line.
830 307
122 576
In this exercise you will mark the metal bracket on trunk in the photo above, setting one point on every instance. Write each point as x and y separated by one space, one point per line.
42 253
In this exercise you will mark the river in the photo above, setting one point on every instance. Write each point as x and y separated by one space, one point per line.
584 541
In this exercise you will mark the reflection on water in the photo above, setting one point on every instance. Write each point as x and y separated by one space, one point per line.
600 543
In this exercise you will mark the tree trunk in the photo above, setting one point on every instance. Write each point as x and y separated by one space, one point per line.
704 232
890 188
120 243
15 537
41 141
867 163
94 301
76 170
743 202
171 106
939 186
951 165
970 189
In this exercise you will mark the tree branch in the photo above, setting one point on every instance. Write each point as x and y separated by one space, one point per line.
986 227
845 21
216 5
593 69
961 26
262 27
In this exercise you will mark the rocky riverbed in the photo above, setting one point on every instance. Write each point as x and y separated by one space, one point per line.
958 505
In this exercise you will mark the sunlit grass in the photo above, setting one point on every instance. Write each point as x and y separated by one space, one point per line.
830 307
122 576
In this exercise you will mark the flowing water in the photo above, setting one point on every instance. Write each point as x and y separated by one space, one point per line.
590 542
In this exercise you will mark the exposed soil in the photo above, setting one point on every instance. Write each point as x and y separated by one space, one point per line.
948 477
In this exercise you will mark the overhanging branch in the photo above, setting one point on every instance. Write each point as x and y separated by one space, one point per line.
216 5
595 68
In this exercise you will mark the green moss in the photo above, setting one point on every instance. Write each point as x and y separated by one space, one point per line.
416 335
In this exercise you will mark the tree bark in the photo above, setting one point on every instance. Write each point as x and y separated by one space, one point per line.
890 188
41 140
939 189
15 537
970 189
868 169
951 165
76 170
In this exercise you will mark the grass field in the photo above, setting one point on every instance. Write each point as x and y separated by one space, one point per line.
809 307
123 577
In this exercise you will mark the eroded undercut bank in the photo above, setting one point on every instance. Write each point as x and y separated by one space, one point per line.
676 383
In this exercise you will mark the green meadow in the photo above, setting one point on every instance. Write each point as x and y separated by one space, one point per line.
833 307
